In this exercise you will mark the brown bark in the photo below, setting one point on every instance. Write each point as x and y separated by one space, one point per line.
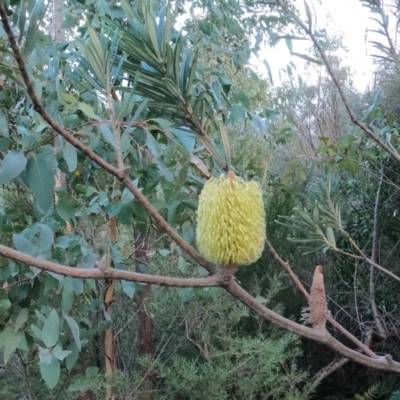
145 323
109 343
109 340
103 272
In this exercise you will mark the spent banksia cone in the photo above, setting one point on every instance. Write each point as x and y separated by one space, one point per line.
231 221
317 312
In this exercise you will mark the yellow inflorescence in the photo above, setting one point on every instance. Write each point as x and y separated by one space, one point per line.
231 221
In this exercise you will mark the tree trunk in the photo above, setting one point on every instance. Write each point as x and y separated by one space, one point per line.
109 341
145 323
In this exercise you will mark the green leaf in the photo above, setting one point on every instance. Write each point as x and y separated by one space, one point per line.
142 218
307 58
152 144
107 134
34 22
238 113
4 144
51 329
46 239
302 174
172 212
59 353
22 318
96 42
185 138
182 266
67 294
74 330
87 110
65 207
330 236
50 372
186 294
129 288
78 285
36 331
23 245
70 156
12 165
45 355
14 339
5 335
72 357
127 196
4 126
69 98
113 208
41 182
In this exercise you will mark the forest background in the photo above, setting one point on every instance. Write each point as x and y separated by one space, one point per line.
113 115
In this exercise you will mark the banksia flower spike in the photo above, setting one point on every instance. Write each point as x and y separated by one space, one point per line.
231 221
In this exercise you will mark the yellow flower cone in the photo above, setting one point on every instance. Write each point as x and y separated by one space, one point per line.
231 221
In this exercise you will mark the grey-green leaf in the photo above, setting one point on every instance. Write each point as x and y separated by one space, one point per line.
50 372
68 294
22 318
23 244
70 156
13 164
74 330
41 182
51 329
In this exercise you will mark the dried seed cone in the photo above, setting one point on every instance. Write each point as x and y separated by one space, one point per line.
317 313
231 221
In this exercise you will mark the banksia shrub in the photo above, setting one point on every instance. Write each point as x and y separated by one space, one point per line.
231 221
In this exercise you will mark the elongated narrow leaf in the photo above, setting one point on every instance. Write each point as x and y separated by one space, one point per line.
153 33
96 42
74 330
307 58
36 17
225 141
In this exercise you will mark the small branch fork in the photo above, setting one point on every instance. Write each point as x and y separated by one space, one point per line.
216 278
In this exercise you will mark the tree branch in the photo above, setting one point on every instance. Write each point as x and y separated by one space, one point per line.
110 273
329 369
382 362
374 250
332 321
345 100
